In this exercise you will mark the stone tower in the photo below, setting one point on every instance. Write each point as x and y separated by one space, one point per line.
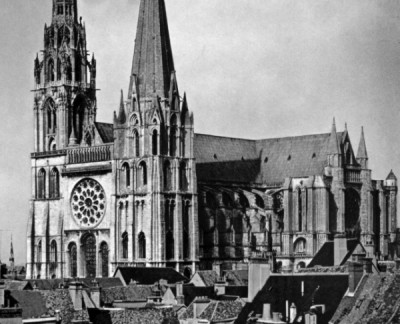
65 103
153 134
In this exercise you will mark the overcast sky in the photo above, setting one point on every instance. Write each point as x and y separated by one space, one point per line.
251 68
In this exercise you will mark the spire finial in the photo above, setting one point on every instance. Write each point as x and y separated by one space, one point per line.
362 147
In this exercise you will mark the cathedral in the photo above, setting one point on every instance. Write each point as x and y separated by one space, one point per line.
147 191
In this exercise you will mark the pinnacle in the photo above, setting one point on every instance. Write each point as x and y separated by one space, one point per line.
333 142
362 148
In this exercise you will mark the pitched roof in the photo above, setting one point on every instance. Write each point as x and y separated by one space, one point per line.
325 255
375 301
262 161
149 276
209 277
106 132
320 289
127 293
237 277
17 285
152 60
391 176
52 284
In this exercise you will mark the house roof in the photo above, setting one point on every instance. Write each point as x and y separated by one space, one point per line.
52 284
261 161
45 303
149 276
209 277
237 277
17 285
106 132
128 293
375 301
318 289
325 255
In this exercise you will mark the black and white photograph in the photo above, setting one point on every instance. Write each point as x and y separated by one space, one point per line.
199 161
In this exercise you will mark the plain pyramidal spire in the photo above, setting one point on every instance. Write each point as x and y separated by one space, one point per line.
362 148
152 59
333 142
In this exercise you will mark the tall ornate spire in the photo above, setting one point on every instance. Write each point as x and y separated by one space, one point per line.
121 114
12 255
152 60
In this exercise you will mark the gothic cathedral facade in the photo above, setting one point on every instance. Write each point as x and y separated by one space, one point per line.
146 191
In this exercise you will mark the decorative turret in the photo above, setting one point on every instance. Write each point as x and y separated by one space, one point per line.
334 158
391 180
362 156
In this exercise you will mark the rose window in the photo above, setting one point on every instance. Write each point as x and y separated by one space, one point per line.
88 203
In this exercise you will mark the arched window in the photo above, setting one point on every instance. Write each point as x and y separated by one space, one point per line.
53 252
89 250
167 176
142 246
104 259
352 213
73 257
125 176
169 245
50 71
77 117
51 116
39 252
143 173
78 60
300 246
54 183
125 241
155 142
41 191
68 69
183 180
137 143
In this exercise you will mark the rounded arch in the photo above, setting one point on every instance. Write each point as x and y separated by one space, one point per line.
301 265
136 142
300 246
142 174
125 178
52 144
352 213
41 184
142 245
125 243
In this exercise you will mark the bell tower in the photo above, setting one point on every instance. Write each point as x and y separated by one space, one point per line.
65 83
153 145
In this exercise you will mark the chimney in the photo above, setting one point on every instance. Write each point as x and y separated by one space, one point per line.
259 272
367 264
355 275
220 286
95 293
75 291
267 312
340 248
180 298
